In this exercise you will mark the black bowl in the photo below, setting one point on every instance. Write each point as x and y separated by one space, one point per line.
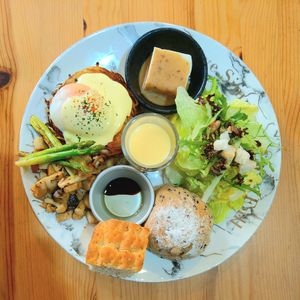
171 39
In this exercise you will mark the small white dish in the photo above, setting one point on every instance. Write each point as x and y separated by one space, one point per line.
97 202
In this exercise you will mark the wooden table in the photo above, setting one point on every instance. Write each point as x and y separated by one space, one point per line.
265 33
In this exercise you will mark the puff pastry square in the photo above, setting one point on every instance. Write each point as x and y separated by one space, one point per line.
118 245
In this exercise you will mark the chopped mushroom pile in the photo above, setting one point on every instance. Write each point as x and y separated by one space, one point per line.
65 194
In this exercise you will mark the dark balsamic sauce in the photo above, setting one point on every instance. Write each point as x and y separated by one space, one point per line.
122 186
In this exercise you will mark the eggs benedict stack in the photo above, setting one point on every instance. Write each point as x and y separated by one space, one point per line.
92 104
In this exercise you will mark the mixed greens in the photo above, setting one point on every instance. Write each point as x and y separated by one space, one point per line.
223 150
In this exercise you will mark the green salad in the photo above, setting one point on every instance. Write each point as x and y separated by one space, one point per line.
223 150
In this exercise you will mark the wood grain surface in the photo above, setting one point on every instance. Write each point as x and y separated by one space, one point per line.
265 33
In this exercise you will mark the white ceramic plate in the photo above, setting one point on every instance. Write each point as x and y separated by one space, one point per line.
110 47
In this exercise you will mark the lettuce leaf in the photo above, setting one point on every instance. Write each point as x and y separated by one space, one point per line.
252 178
240 106
225 199
191 114
174 176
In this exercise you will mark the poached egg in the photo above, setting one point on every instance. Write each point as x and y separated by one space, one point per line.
93 108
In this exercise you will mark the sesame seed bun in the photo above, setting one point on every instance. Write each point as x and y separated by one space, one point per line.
180 224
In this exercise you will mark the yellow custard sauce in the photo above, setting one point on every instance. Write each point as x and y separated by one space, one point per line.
149 144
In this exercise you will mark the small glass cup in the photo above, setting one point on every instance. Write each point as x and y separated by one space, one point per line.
156 119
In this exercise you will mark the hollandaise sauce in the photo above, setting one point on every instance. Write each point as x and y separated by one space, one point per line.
149 142
94 108
122 197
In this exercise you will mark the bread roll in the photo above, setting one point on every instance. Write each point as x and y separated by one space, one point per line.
180 224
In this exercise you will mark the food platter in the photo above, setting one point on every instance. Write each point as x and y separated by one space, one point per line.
110 47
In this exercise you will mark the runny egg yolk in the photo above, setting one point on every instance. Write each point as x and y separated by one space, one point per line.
94 108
